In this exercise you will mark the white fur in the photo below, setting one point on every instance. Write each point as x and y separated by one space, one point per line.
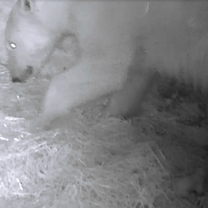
106 33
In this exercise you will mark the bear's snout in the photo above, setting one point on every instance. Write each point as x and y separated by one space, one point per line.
16 79
22 77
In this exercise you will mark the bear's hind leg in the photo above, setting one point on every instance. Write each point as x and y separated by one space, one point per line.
126 102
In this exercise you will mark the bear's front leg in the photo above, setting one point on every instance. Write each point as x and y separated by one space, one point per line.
86 81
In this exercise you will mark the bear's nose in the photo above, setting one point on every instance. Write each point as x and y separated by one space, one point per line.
16 79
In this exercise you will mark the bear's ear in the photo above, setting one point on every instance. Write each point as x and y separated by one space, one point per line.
27 5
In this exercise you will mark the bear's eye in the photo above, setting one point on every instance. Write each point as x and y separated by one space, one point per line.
13 45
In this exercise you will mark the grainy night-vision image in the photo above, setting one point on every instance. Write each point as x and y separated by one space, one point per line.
103 104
